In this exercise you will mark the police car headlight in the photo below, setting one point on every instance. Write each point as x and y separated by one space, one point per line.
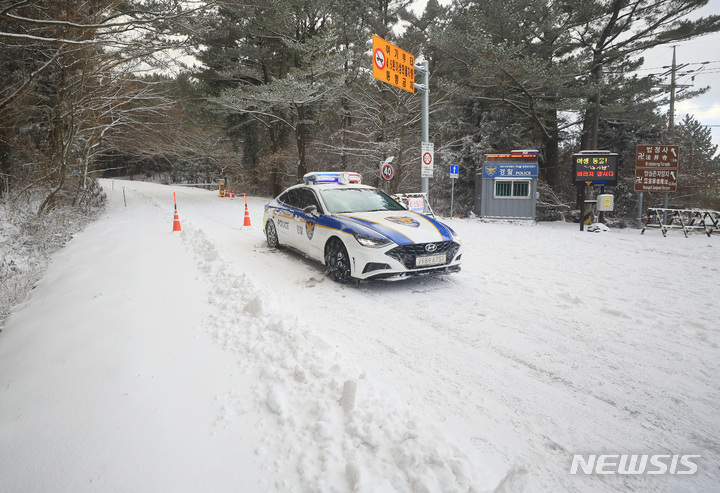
454 234
371 241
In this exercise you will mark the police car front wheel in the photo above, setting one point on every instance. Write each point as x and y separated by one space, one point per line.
271 235
337 261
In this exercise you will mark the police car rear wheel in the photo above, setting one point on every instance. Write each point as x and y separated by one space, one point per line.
337 261
271 234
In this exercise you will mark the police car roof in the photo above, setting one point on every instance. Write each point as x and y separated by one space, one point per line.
330 186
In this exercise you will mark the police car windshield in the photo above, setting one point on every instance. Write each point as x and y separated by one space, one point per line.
358 200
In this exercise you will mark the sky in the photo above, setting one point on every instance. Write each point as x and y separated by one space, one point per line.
694 53
705 108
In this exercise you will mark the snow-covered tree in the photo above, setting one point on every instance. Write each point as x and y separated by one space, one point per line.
70 83
699 166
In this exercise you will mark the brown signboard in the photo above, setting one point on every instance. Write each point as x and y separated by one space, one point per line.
656 156
655 179
656 168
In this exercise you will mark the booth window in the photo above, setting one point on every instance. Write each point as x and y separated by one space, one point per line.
512 189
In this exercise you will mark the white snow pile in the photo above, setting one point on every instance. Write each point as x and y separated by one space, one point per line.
337 428
27 240
597 228
152 360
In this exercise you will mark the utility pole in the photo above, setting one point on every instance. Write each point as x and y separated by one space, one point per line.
671 113
671 116
674 86
424 70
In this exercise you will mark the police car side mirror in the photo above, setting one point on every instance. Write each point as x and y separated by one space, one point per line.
311 210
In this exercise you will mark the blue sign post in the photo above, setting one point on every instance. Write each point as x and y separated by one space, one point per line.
454 174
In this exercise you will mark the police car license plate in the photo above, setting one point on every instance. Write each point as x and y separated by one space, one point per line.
429 260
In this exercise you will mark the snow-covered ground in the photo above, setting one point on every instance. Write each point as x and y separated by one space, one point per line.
152 360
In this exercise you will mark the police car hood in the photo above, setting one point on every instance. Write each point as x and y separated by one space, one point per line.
402 227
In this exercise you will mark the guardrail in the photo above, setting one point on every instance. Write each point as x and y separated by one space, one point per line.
687 220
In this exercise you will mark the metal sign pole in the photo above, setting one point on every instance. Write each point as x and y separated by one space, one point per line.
452 195
581 199
425 109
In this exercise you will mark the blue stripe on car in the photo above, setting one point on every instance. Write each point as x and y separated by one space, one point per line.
442 229
392 234
352 224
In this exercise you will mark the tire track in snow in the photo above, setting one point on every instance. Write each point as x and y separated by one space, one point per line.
334 439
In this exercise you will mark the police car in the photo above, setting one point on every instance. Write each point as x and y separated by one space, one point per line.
357 231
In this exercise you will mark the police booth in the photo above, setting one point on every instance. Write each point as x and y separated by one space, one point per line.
507 186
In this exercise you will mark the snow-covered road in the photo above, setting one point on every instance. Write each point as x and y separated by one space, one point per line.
149 360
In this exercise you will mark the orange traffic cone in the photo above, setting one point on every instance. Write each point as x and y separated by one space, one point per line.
176 221
246 224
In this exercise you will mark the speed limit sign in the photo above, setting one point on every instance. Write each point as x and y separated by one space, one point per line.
387 171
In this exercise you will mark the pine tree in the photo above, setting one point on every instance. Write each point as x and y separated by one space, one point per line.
699 166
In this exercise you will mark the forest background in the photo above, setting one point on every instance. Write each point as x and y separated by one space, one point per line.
259 93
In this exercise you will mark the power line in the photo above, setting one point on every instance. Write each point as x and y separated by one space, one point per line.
668 66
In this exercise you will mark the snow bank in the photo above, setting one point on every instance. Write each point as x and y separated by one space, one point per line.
337 429
27 241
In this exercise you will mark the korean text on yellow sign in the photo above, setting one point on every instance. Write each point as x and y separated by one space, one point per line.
393 65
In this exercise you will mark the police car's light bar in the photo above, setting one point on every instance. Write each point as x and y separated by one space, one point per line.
340 177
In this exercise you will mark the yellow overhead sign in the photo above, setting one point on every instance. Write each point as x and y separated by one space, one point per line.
393 65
